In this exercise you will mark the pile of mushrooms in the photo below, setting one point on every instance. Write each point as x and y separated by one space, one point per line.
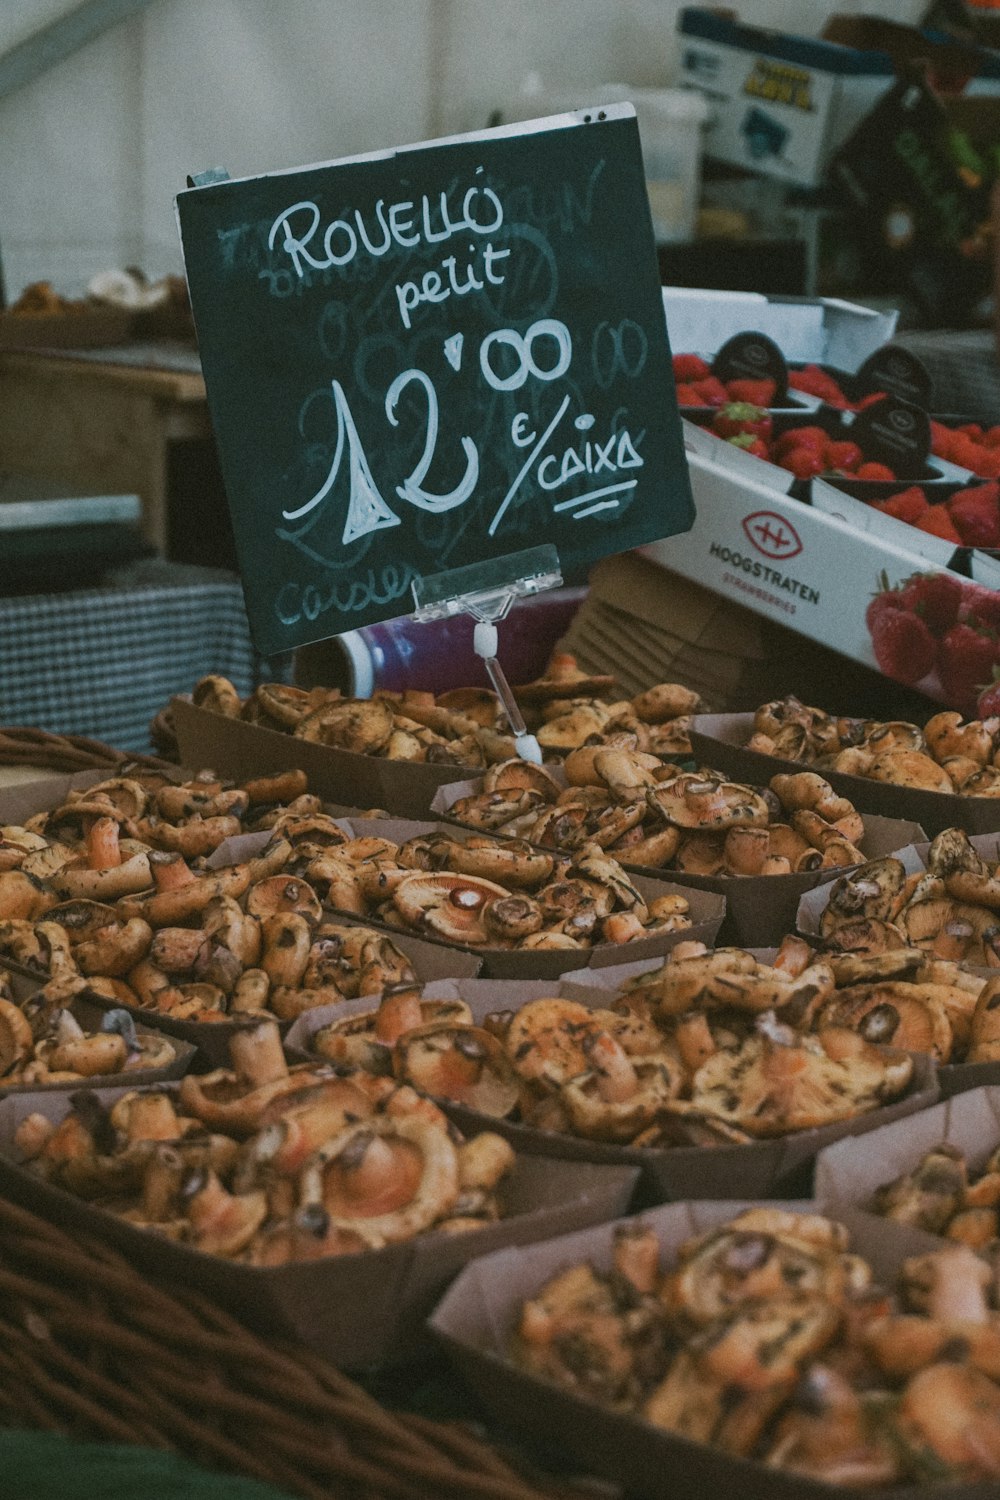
942 1195
949 754
43 1042
269 1164
467 726
711 1048
113 894
950 909
488 892
769 1340
648 814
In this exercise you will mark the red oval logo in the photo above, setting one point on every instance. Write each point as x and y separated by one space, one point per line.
772 534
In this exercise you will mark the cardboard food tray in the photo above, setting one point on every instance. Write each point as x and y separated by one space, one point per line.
359 1311
766 1166
707 912
849 1176
759 911
913 858
89 1016
430 960
478 1315
952 1078
211 1038
235 748
721 739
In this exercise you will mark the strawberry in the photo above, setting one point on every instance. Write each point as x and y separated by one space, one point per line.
868 400
964 452
935 597
988 463
904 647
843 455
965 664
757 392
988 702
941 439
815 381
907 505
750 444
688 367
804 463
886 599
802 437
874 471
976 515
687 395
937 522
711 391
982 607
972 430
741 416
991 437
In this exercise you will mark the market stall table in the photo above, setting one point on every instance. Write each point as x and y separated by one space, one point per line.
103 661
103 419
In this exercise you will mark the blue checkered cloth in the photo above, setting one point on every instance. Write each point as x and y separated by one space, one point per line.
103 662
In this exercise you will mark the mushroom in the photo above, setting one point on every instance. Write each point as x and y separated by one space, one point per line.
563 678
447 905
219 1222
776 1083
928 1196
362 725
386 1178
16 1040
462 1063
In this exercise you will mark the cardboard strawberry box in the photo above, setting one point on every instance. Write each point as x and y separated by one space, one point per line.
774 1165
806 330
816 574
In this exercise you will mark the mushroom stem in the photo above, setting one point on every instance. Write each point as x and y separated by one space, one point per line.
103 851
398 1012
958 1292
616 1078
257 1055
169 870
637 1256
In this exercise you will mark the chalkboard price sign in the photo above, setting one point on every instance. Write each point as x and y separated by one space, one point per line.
424 359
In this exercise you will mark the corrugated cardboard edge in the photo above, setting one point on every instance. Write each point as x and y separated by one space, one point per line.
359 1311
720 740
475 1320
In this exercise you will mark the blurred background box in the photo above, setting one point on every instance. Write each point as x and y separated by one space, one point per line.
671 123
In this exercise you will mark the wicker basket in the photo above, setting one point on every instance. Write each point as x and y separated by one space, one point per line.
26 746
91 1349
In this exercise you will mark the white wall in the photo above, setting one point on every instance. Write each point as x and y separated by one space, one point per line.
92 153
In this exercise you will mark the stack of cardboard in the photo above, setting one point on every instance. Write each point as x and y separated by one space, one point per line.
645 625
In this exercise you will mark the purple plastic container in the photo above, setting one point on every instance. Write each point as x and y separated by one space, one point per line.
400 654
